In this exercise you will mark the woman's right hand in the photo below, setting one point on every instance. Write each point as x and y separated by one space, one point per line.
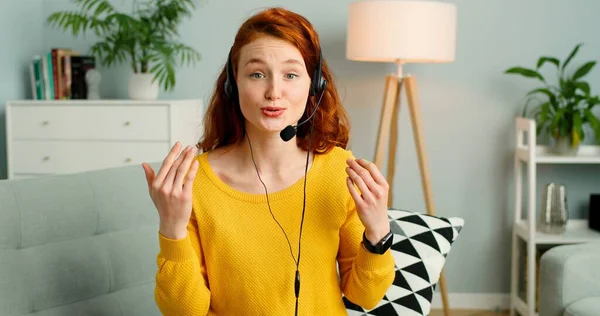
171 190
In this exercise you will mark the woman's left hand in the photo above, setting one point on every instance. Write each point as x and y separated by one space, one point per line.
372 201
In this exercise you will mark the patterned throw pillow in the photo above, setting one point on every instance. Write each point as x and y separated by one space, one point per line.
421 244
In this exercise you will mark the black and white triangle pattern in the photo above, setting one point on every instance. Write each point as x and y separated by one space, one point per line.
421 244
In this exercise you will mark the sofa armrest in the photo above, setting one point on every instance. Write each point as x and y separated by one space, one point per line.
568 273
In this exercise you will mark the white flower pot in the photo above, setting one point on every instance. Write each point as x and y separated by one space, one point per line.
141 87
563 146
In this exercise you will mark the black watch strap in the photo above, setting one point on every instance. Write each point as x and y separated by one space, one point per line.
382 246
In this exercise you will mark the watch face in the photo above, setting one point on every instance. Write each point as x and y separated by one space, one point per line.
387 242
387 237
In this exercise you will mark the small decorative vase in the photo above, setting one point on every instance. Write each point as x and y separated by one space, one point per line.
563 146
92 79
554 213
141 87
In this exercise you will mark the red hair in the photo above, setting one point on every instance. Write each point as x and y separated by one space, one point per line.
224 122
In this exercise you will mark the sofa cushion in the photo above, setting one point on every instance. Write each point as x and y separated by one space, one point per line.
567 274
584 307
421 244
134 301
78 244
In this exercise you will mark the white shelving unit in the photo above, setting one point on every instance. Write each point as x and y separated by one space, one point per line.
530 155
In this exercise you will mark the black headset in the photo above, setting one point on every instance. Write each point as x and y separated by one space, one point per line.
317 84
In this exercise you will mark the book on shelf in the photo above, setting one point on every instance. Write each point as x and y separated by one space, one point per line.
60 74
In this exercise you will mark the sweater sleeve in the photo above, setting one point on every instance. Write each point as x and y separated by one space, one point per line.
365 276
181 280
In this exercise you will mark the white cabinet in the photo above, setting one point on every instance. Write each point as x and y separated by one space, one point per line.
54 137
528 154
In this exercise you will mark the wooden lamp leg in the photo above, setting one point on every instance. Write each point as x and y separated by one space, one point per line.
415 117
388 122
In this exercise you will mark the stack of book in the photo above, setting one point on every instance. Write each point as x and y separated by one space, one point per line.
60 74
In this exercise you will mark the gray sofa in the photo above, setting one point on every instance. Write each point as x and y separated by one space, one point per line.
78 244
570 281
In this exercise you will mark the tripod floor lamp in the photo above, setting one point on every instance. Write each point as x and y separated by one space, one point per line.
401 32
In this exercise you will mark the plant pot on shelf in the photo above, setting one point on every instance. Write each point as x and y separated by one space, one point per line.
564 146
141 87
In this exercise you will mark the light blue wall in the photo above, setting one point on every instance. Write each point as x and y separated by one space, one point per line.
21 34
467 106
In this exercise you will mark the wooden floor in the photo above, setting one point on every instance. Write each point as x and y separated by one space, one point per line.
467 312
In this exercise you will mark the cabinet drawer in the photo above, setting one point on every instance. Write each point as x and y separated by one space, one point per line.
102 122
49 157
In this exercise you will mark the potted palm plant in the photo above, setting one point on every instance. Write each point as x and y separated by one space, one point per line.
566 107
146 39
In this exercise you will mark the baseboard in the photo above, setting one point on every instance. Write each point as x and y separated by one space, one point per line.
482 301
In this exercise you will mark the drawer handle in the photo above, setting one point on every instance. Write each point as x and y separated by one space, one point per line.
128 160
45 123
127 123
46 158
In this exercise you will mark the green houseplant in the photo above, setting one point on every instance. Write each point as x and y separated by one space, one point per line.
146 39
566 107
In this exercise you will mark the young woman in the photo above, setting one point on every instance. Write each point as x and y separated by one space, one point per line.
265 222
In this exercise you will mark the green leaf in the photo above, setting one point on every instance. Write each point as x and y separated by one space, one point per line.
548 93
561 85
556 121
543 117
545 59
86 5
530 73
571 55
584 87
577 129
539 128
592 101
594 123
535 110
583 70
545 112
104 7
577 121
568 89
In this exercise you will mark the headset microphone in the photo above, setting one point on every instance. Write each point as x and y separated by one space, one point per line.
290 131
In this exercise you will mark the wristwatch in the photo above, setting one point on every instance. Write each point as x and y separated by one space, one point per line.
382 246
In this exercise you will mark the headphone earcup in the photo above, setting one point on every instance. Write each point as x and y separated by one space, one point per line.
318 86
318 82
322 85
228 86
228 89
313 84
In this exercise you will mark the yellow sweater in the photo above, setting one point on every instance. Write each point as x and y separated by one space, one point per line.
235 259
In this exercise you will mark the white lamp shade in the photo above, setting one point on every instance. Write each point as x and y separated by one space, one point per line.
419 31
